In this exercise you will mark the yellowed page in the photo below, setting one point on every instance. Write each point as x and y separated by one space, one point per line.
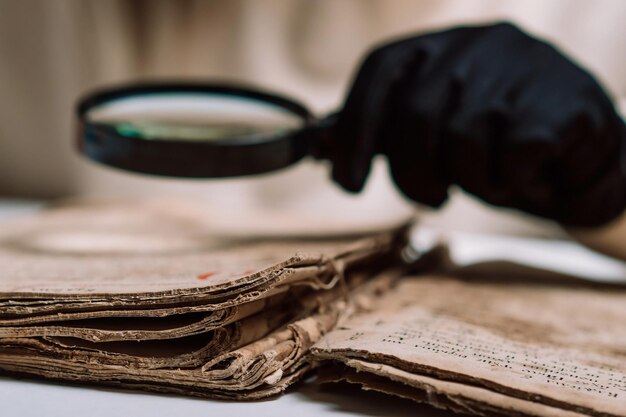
559 344
170 250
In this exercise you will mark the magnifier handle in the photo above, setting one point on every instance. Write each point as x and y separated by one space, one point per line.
320 137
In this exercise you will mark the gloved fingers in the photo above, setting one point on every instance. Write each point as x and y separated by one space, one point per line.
360 122
419 150
557 161
415 149
416 145
373 96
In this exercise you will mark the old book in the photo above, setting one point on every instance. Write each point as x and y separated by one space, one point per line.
154 296
151 296
505 344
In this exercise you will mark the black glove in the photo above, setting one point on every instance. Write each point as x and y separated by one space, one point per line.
503 115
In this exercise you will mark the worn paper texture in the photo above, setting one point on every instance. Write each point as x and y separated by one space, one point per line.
150 252
155 260
558 344
453 396
245 360
150 296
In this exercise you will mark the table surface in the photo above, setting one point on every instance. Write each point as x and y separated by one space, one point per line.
39 398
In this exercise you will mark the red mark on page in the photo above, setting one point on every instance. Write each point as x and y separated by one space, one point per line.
206 275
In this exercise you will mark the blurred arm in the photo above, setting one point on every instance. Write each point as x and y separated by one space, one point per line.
609 239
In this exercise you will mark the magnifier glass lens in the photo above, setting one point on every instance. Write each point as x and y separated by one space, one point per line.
193 117
193 130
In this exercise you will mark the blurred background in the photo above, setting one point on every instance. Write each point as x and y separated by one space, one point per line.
51 52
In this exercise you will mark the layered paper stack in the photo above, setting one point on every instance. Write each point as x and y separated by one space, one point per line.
152 296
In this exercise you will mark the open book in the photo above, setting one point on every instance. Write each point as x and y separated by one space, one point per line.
150 296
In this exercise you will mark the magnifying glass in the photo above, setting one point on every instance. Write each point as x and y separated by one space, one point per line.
198 130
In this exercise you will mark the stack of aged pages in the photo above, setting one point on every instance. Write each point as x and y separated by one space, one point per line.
148 296
151 296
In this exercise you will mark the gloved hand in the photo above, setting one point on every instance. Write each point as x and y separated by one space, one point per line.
490 109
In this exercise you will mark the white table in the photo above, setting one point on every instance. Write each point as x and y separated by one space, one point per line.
44 399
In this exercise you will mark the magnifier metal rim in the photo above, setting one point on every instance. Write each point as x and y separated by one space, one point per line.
231 157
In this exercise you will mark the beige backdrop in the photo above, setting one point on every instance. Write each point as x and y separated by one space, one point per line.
52 50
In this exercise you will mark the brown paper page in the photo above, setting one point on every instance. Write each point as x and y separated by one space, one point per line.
457 397
559 344
162 324
154 259
150 249
188 351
